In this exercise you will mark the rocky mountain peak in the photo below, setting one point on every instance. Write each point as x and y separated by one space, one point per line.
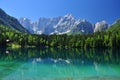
100 26
63 25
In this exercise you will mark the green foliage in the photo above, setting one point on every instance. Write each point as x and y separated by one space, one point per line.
115 27
106 39
89 55
11 22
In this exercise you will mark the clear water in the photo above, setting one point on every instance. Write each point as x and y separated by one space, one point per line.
59 64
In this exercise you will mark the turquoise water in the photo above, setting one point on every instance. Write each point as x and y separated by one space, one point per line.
59 64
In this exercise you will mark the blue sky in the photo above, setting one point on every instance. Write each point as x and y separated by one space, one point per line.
91 10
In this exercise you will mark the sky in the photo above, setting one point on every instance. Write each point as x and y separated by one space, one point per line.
91 10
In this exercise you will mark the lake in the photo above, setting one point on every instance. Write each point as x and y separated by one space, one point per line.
59 64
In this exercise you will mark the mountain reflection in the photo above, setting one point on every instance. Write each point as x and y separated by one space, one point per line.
83 56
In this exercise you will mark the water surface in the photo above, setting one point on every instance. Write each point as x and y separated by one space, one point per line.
59 64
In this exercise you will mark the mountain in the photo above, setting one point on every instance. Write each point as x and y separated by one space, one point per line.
60 25
46 25
65 24
11 22
26 22
100 26
115 27
84 27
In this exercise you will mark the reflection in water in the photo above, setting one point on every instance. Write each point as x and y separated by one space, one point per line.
59 64
88 56
7 68
49 70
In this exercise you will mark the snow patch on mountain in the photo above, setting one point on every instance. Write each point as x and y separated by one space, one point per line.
100 26
62 25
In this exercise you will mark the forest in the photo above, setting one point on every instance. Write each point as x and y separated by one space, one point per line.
105 39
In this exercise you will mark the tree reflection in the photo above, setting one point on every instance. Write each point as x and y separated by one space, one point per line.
83 55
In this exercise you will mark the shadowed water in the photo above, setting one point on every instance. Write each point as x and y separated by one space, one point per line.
59 64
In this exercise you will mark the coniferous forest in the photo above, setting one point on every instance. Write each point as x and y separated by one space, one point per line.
105 39
54 40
